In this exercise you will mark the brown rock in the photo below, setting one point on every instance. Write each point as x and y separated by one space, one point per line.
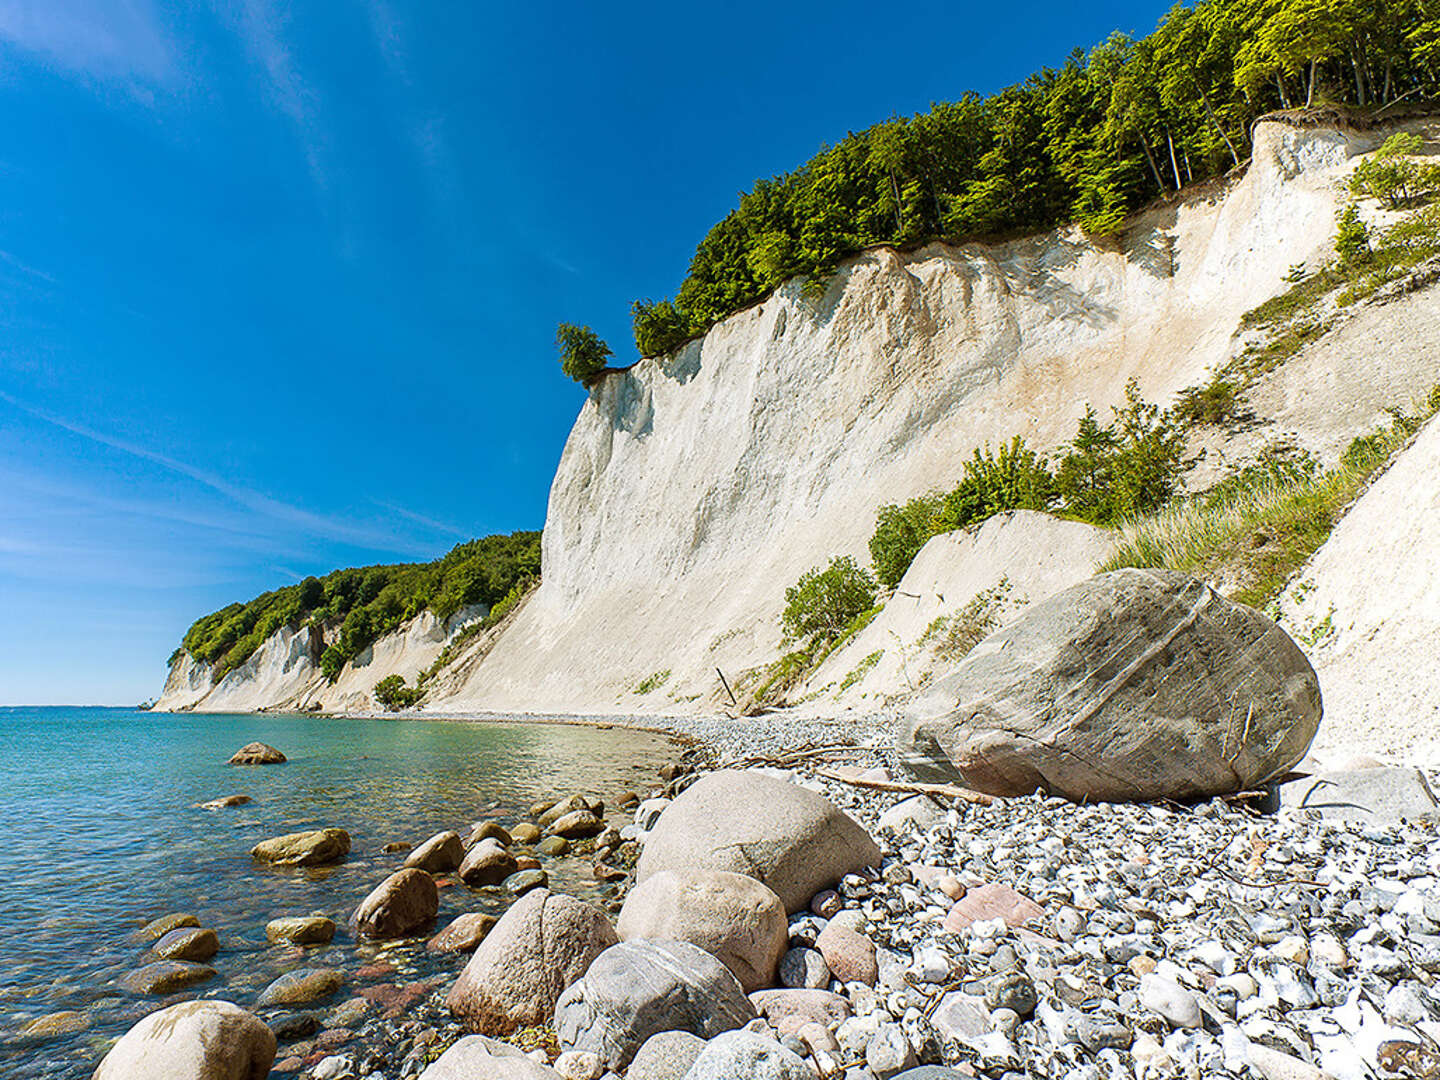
158 928
526 862
440 854
490 830
195 1040
166 977
554 846
223 804
733 917
316 847
793 840
487 863
257 753
569 806
402 904
188 943
525 833
301 930
301 987
462 935
992 901
539 947
53 1025
577 824
849 956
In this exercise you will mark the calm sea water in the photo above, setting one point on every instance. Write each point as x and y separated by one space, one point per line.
99 834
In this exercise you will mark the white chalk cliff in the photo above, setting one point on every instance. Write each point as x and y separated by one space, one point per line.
694 489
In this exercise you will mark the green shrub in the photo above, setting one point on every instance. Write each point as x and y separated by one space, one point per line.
900 533
1352 239
1012 479
953 636
582 353
1391 175
1213 403
653 682
392 693
822 603
1129 467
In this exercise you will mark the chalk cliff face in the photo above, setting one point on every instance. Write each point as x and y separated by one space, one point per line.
694 489
284 673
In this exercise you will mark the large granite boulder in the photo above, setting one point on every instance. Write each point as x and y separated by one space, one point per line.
733 917
440 854
195 1040
315 847
538 948
791 839
1134 685
402 904
639 988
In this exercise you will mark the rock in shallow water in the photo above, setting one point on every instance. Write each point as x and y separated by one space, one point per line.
195 1040
399 906
257 753
189 943
487 863
315 847
440 854
301 987
463 934
166 977
301 930
1120 688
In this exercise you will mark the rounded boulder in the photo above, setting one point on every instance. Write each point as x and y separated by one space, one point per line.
1133 686
637 989
315 847
257 753
195 1040
792 840
733 917
400 905
440 854
541 945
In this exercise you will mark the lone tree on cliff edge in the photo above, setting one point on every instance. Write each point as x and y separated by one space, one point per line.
582 353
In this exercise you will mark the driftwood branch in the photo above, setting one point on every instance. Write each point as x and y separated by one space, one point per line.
945 791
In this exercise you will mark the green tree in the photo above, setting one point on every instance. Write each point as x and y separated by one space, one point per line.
1391 174
900 533
582 353
1352 239
392 693
1129 467
824 601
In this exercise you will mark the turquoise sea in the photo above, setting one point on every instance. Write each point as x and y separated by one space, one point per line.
99 834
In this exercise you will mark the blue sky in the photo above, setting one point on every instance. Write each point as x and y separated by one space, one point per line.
279 282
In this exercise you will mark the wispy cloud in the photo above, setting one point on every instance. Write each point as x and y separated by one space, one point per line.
105 39
425 128
259 28
26 269
421 519
307 521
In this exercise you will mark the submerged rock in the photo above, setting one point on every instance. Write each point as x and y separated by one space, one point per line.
223 803
257 753
166 977
301 930
158 928
791 839
188 943
301 987
195 1040
1132 686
